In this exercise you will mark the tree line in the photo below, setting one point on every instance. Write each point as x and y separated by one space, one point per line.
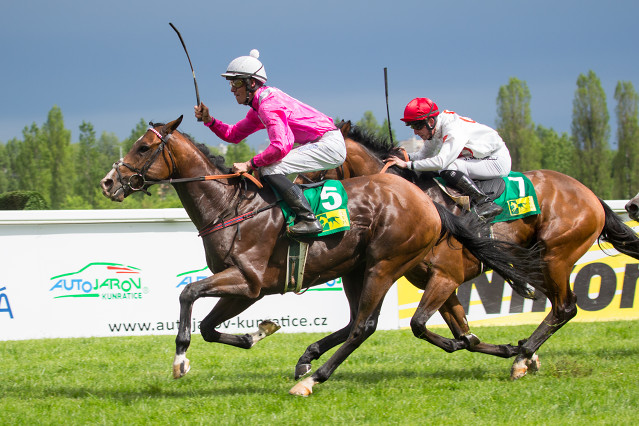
586 153
66 174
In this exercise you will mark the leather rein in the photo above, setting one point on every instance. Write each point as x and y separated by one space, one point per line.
340 170
139 182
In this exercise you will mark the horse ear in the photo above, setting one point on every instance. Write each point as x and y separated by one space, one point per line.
345 127
173 125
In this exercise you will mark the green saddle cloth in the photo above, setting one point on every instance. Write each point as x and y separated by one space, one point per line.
329 203
518 200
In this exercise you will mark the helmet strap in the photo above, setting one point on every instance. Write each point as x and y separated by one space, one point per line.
428 123
251 87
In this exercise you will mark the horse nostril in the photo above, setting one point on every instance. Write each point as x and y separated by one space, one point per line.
106 184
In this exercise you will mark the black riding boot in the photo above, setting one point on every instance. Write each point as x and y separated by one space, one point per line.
484 206
306 222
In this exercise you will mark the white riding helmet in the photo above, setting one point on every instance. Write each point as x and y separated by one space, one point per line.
246 67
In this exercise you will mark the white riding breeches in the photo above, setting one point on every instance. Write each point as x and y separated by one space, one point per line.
328 152
497 164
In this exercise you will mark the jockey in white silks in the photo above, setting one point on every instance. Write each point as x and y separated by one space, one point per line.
469 150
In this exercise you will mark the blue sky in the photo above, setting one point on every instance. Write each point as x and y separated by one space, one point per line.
112 63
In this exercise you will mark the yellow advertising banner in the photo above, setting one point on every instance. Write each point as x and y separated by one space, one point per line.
604 281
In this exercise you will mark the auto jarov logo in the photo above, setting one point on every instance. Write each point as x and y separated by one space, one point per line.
106 281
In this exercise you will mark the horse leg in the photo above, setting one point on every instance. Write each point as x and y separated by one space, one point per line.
226 283
317 349
439 294
227 308
375 286
563 309
455 317
436 294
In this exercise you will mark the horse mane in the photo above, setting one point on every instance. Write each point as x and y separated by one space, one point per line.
216 160
381 146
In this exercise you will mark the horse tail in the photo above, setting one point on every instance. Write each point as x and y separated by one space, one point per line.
617 233
519 266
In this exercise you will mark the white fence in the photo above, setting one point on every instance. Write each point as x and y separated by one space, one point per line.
119 272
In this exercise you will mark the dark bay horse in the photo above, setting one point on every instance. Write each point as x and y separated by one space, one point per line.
572 218
383 243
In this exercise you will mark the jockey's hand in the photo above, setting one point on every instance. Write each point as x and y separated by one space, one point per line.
202 113
396 161
242 167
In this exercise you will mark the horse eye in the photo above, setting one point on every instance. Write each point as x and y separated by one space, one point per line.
143 148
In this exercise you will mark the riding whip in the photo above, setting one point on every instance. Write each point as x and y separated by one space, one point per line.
390 132
197 93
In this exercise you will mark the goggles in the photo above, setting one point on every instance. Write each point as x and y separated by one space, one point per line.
417 125
236 83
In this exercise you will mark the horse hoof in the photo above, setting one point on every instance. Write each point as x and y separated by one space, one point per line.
264 329
302 370
181 366
533 364
519 368
471 339
303 388
268 327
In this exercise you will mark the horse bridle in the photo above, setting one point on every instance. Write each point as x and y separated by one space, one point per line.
137 181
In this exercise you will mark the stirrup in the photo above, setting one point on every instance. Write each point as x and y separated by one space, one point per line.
488 211
305 227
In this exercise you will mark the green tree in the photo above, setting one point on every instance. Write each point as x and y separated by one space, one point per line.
383 133
626 161
108 150
516 127
591 133
557 151
10 181
32 163
5 165
22 200
87 170
237 153
60 167
369 123
137 131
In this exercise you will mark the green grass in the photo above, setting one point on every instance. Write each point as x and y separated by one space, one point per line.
589 374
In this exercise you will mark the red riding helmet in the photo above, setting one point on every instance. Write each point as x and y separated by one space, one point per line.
420 109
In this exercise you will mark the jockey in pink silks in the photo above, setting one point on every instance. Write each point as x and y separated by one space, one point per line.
320 145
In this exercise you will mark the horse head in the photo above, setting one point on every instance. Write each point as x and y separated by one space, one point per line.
140 166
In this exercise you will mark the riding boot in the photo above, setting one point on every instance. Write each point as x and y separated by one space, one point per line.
484 206
305 221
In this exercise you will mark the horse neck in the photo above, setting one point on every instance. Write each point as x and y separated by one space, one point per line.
360 161
203 201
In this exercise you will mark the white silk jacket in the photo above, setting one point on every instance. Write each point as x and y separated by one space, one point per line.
459 137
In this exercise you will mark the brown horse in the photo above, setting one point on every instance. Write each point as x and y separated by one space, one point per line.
572 218
382 244
632 207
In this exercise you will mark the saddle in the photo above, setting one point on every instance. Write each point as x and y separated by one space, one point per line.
329 203
515 193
